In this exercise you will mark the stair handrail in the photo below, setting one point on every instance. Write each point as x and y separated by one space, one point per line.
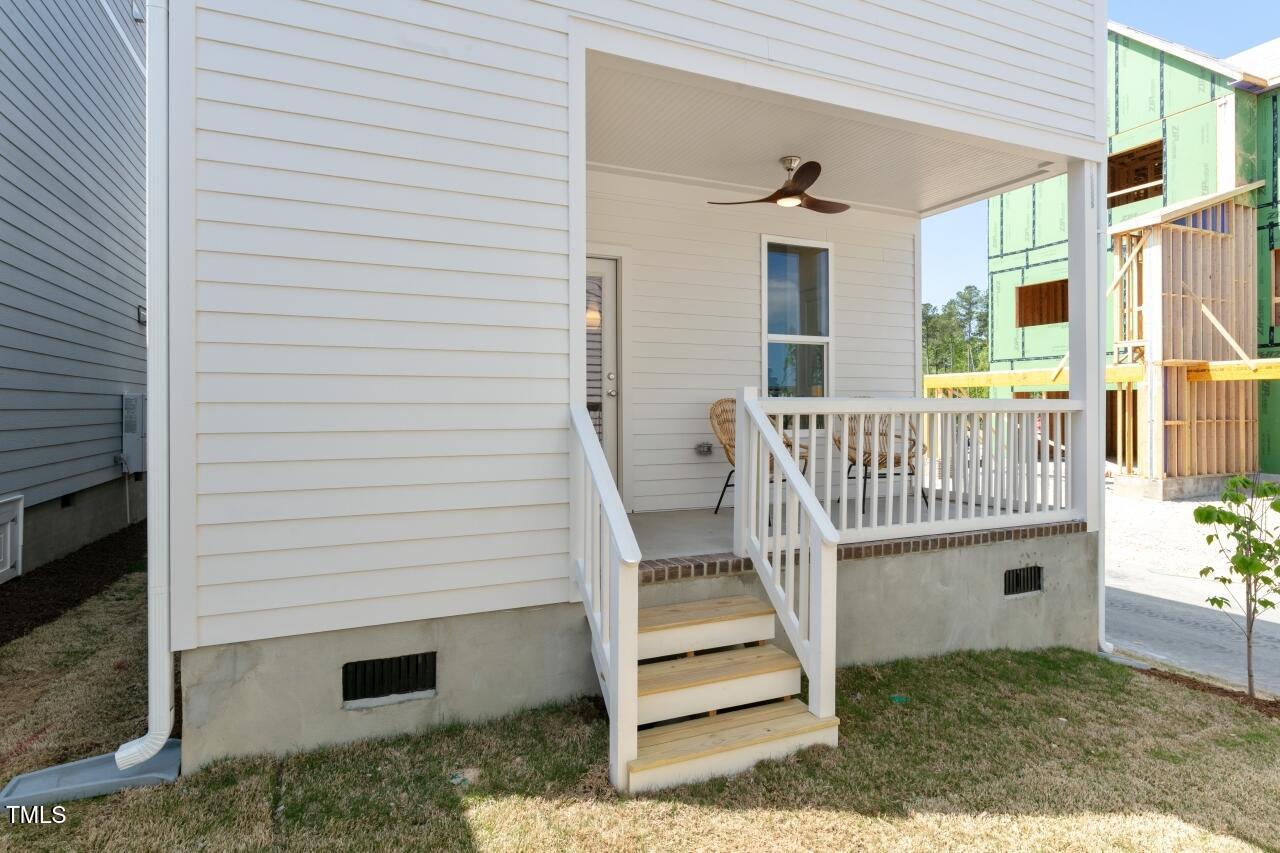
810 548
605 562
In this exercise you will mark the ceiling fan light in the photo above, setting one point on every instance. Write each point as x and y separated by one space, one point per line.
789 201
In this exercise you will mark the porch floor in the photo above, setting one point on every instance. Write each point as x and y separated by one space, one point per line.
683 532
697 532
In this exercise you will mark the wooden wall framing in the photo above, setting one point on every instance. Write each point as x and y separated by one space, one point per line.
1204 264
1183 397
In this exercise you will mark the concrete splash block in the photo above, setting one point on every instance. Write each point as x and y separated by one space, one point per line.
90 777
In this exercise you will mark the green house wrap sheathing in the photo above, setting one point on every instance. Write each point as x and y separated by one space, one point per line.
1266 155
1151 96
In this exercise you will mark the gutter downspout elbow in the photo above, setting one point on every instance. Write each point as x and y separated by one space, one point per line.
159 651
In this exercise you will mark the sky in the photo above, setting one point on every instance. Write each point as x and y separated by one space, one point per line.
954 248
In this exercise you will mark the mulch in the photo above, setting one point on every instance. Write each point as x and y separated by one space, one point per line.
1270 707
42 595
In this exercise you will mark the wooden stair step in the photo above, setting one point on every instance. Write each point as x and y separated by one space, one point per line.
683 673
667 616
708 736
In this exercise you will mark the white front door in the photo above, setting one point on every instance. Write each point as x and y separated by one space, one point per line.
604 386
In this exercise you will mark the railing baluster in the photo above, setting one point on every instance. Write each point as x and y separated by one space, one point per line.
793 543
1060 485
828 444
804 577
811 470
945 430
860 471
1002 448
917 487
1070 420
775 486
903 491
844 474
762 489
980 469
973 446
936 430
1031 461
1044 461
875 470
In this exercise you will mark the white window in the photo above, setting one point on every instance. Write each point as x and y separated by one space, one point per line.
797 322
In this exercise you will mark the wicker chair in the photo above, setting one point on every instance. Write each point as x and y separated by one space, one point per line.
887 442
724 423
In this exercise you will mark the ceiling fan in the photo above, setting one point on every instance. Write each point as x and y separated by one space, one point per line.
792 193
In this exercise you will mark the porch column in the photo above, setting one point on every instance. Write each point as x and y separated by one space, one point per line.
1087 315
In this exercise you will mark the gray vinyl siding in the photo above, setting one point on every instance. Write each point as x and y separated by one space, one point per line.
72 181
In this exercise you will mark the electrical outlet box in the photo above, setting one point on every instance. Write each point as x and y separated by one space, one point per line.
133 432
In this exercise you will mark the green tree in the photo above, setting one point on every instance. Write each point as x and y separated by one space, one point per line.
954 337
1244 532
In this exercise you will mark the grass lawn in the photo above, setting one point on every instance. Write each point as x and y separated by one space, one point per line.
999 750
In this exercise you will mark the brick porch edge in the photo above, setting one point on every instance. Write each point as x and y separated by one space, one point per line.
713 565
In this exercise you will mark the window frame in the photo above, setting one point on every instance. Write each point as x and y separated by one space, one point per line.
1022 289
1118 197
827 341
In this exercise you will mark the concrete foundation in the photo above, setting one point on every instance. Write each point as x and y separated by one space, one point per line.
281 695
51 530
934 602
1171 488
930 603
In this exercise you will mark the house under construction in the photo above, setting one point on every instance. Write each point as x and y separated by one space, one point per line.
1191 291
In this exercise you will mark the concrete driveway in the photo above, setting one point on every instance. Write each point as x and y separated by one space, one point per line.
1156 604
1197 639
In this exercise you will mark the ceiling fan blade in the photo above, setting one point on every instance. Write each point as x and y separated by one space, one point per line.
769 199
819 205
804 176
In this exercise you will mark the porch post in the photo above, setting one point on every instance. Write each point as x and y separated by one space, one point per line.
743 460
1087 315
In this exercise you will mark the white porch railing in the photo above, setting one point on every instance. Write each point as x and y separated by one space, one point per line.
781 526
893 468
606 560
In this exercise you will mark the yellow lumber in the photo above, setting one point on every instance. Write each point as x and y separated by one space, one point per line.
1234 371
1016 378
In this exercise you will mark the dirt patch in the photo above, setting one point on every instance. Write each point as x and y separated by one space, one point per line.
34 599
1270 707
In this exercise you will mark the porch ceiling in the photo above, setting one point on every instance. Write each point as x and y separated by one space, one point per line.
664 123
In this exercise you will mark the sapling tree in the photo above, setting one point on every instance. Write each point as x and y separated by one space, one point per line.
1245 532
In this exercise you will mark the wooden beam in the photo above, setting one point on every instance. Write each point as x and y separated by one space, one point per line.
1235 371
1133 256
1181 209
1062 365
1019 378
1217 325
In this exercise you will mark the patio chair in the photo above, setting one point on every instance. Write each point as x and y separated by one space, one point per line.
887 441
724 423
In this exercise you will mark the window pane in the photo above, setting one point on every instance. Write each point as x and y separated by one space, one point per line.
797 290
797 370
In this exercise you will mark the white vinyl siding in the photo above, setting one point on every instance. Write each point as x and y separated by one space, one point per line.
371 244
381 330
1028 61
691 317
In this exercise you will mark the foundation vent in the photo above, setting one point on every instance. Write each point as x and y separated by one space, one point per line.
383 677
1025 579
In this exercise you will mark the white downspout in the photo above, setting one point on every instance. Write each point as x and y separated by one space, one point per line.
159 654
